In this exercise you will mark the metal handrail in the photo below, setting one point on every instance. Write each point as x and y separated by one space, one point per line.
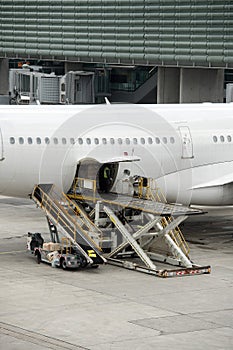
55 208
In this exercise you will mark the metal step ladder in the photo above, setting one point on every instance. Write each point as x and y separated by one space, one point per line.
176 235
71 220
164 231
148 189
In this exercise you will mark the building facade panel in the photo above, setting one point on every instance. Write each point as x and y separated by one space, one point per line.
150 32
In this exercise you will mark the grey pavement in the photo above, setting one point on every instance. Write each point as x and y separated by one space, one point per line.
109 307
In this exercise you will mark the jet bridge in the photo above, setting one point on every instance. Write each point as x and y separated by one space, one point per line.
110 227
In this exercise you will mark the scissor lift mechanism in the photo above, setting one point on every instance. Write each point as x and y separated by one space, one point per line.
163 220
160 230
178 256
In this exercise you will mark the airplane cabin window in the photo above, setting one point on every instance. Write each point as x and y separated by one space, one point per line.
29 140
135 141
47 141
104 140
142 141
150 141
72 141
55 140
172 140
215 139
222 139
120 141
21 140
38 140
64 141
80 140
12 140
88 141
229 138
112 141
96 140
157 140
127 141
164 140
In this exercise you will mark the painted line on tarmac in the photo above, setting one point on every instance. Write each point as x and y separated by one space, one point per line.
44 341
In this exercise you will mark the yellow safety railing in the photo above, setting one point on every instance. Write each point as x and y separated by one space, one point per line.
82 187
66 245
53 203
176 235
148 189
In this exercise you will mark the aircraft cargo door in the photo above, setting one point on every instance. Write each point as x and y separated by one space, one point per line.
187 143
1 147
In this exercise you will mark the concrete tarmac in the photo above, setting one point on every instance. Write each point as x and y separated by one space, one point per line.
110 307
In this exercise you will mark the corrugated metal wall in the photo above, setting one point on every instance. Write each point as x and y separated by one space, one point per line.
178 32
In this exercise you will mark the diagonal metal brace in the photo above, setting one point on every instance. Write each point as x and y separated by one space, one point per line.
136 235
130 239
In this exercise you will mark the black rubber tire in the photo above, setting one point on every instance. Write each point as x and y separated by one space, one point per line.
12 101
38 257
63 264
83 263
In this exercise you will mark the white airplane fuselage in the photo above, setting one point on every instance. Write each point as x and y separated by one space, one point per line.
188 149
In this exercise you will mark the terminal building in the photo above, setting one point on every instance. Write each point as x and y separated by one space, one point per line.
139 51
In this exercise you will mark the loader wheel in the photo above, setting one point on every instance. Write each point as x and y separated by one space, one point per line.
38 257
83 262
63 264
